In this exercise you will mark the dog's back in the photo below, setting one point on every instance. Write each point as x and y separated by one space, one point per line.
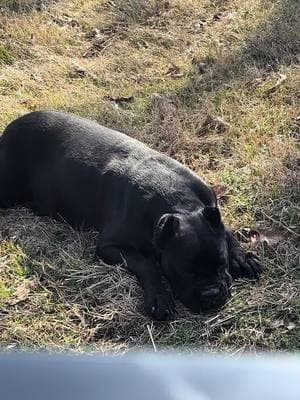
88 174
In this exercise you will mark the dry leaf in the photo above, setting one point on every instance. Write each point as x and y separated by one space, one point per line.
37 78
221 193
224 15
66 20
213 123
100 43
77 72
290 326
277 324
120 100
264 236
21 293
258 81
282 78
174 72
200 65
93 33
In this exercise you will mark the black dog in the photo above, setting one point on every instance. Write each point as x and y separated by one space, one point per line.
154 214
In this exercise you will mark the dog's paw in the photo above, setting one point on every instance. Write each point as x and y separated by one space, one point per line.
244 264
160 306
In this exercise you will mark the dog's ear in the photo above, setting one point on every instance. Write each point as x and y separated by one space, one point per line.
212 216
165 230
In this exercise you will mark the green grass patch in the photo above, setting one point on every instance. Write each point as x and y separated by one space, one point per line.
5 293
5 56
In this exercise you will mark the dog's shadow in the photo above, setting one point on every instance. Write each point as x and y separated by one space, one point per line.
26 7
104 302
61 259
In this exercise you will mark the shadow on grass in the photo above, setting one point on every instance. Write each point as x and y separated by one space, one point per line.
277 43
25 6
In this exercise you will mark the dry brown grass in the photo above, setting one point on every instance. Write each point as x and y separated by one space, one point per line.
187 64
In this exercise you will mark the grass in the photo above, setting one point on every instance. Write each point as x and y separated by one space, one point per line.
203 76
5 56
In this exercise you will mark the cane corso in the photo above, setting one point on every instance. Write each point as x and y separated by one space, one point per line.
154 215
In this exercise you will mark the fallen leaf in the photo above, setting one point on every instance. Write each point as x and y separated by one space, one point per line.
174 72
200 65
213 123
165 106
218 16
66 20
224 15
257 82
200 24
282 78
221 193
93 33
120 100
21 293
100 43
277 324
77 72
290 326
36 78
264 236
167 5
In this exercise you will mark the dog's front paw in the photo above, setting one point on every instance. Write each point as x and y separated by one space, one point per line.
244 264
159 305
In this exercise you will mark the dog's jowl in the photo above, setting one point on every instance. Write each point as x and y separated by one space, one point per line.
151 211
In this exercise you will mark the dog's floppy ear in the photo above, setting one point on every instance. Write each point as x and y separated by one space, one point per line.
166 229
212 216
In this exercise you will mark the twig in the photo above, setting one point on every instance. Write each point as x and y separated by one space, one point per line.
207 322
151 338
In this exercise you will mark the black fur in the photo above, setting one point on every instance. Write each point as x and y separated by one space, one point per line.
153 213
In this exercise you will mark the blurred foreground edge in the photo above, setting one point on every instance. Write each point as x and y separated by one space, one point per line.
146 376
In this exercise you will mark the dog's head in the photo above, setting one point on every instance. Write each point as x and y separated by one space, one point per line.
194 257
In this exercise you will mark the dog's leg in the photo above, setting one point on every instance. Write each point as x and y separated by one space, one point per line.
8 188
242 264
13 185
158 302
